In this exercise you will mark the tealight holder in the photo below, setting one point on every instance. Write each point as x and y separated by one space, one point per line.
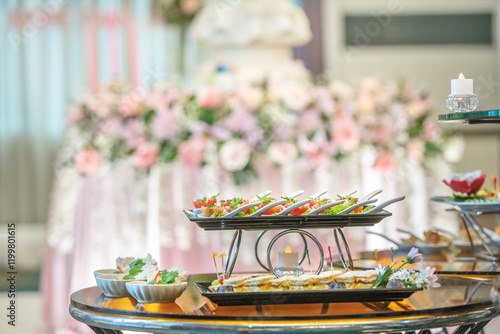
462 102
289 271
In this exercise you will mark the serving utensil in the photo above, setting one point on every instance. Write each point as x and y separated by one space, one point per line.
293 207
379 207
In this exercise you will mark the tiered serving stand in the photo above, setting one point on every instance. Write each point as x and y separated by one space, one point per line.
296 224
469 210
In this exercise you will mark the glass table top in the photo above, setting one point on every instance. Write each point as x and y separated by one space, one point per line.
459 300
472 117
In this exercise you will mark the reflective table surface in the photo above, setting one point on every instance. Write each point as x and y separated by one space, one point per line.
465 302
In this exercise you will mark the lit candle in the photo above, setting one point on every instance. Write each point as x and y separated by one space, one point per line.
462 86
288 259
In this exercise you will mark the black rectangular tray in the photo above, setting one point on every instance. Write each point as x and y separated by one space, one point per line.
303 297
287 222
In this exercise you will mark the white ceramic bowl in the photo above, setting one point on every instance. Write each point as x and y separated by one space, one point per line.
113 285
103 272
157 293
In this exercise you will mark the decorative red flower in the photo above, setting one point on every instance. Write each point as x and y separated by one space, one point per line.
465 186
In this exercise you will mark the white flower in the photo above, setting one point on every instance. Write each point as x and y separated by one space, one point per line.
296 97
282 152
234 155
428 273
414 256
402 274
380 269
251 97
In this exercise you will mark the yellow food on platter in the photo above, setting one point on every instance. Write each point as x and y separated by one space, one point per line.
352 279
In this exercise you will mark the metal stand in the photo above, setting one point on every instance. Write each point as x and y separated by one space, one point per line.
231 258
493 252
256 250
346 246
301 232
236 242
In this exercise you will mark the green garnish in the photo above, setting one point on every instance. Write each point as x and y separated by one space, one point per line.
166 277
265 200
336 209
288 199
135 268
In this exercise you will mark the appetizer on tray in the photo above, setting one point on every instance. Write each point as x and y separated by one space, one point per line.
265 205
384 283
162 286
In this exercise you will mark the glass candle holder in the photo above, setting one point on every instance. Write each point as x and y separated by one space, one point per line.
289 271
462 102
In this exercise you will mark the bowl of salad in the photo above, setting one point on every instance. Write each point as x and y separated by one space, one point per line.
100 272
163 286
113 285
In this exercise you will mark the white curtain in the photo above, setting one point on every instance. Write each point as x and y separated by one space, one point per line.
51 52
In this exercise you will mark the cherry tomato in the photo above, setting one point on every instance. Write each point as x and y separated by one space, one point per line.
300 210
273 210
203 202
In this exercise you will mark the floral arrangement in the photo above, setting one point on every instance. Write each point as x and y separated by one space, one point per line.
180 12
283 121
391 276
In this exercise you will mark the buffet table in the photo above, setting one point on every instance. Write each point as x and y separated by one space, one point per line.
460 301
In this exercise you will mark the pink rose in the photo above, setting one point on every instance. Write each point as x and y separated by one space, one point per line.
209 98
385 162
146 155
251 97
310 121
381 134
283 153
190 6
234 155
134 134
130 106
191 152
324 100
87 161
165 124
346 134
112 127
295 96
432 132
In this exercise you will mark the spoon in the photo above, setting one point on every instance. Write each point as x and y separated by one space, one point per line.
242 208
370 195
296 194
264 193
267 207
358 205
318 194
324 207
293 207
379 207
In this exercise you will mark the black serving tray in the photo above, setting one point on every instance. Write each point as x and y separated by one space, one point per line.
287 222
303 297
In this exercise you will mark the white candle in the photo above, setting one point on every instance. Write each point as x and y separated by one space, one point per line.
288 258
462 86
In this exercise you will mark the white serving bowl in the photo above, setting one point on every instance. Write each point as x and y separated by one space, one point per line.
113 285
155 293
103 272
